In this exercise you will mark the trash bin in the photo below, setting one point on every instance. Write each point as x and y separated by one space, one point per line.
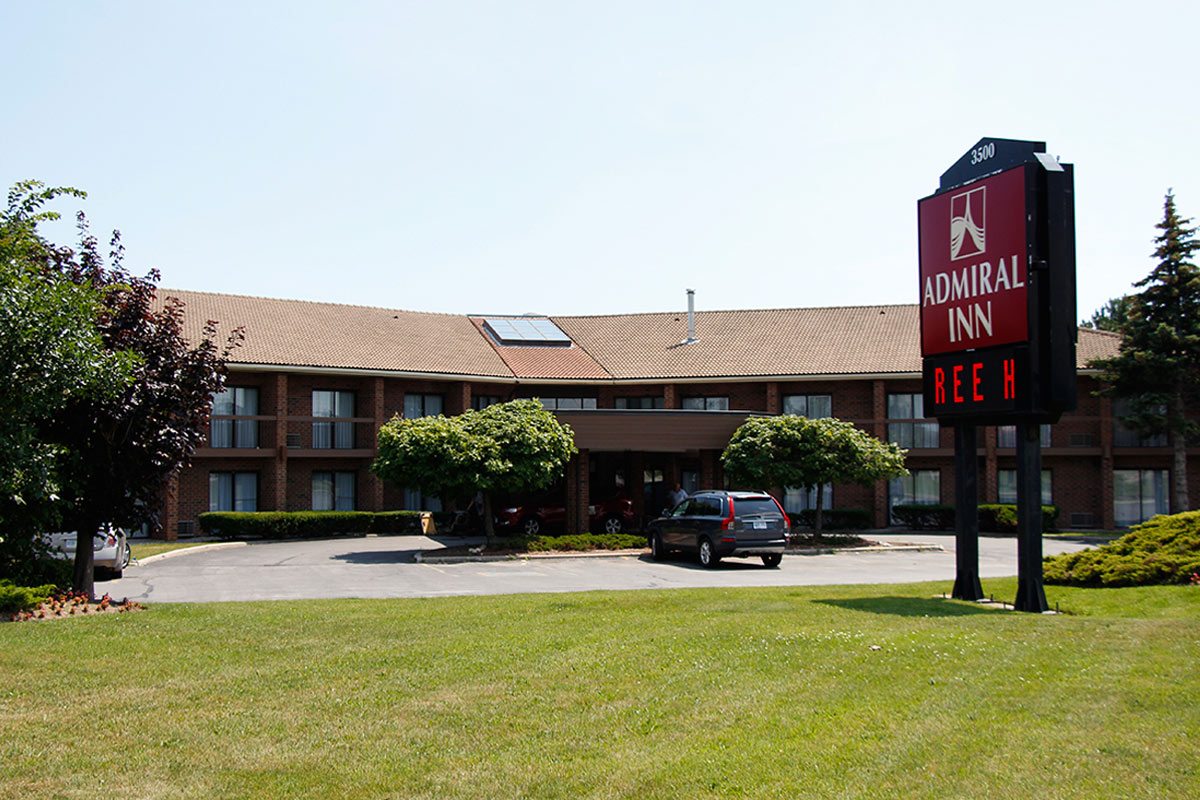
427 526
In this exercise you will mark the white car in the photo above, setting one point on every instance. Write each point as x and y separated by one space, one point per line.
110 556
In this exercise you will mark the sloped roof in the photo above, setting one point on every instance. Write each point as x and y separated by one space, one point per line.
302 333
859 340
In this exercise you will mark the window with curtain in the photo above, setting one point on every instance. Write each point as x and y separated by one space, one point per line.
796 499
1139 494
920 487
1124 436
333 491
334 404
235 401
907 427
233 491
813 406
1006 436
648 402
1007 487
422 405
706 403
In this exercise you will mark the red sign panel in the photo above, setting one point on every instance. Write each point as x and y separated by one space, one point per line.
974 265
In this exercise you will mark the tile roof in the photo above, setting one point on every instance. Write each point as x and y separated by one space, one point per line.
859 340
302 333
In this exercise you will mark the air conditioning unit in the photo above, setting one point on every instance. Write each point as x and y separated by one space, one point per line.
187 527
1083 519
1083 440
293 441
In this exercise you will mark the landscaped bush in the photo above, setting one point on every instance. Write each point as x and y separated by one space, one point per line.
925 517
306 524
993 517
14 599
1164 550
580 541
848 518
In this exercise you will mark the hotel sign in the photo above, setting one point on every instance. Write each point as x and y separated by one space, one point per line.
997 286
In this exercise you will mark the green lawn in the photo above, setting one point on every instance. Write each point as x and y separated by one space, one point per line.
671 694
147 549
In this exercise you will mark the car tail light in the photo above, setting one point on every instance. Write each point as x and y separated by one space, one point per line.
727 523
787 521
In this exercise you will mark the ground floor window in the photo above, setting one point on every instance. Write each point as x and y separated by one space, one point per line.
1007 488
796 500
233 491
920 487
333 491
1139 494
416 500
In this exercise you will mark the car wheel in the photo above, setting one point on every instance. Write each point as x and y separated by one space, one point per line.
657 551
613 525
708 554
126 556
531 526
772 560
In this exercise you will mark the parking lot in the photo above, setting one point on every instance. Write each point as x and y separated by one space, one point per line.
379 567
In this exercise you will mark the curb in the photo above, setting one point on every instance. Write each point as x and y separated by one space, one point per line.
185 550
808 551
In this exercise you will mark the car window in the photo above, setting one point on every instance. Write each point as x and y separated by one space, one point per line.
707 506
752 506
682 508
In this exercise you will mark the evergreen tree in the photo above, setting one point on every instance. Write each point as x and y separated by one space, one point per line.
1158 366
1111 316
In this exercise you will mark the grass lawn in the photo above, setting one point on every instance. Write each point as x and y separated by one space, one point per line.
774 692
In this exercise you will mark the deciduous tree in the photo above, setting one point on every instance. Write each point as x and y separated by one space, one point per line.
506 447
795 451
1158 365
1111 316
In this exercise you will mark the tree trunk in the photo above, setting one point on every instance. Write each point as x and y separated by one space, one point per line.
85 538
489 527
817 516
1179 497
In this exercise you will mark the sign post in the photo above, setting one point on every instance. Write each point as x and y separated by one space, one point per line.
997 279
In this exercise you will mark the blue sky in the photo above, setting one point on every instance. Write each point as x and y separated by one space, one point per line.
584 158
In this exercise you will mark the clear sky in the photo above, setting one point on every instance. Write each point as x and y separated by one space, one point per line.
585 158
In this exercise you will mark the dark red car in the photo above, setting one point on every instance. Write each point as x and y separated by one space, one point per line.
610 516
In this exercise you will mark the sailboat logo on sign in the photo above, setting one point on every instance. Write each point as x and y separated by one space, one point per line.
967 220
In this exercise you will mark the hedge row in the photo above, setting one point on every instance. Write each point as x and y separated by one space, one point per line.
306 524
1165 549
848 518
581 541
993 517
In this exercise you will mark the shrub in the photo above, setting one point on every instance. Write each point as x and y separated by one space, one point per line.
849 518
997 518
306 524
1165 549
580 541
925 517
15 599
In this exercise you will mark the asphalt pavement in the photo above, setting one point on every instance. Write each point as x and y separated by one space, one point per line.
384 566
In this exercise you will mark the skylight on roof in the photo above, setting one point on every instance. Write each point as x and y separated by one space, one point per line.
526 331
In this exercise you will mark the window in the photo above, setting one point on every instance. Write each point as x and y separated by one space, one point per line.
638 402
1139 494
922 487
706 403
236 401
333 491
1008 487
910 434
567 403
797 500
1006 436
416 500
689 480
482 401
233 491
1127 437
813 406
333 434
422 405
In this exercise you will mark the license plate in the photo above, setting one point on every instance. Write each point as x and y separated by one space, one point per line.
760 525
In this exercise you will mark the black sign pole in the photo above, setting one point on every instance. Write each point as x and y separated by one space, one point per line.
966 517
1030 594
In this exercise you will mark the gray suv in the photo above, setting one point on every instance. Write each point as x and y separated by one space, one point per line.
715 524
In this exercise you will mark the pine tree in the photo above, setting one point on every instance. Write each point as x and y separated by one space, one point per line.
1158 366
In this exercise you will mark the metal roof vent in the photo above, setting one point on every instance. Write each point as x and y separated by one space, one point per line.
691 337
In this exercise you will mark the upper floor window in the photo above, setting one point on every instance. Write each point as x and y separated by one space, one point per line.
813 406
646 402
1006 436
567 403
706 403
333 434
235 401
233 491
482 401
910 432
333 491
422 405
1124 436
